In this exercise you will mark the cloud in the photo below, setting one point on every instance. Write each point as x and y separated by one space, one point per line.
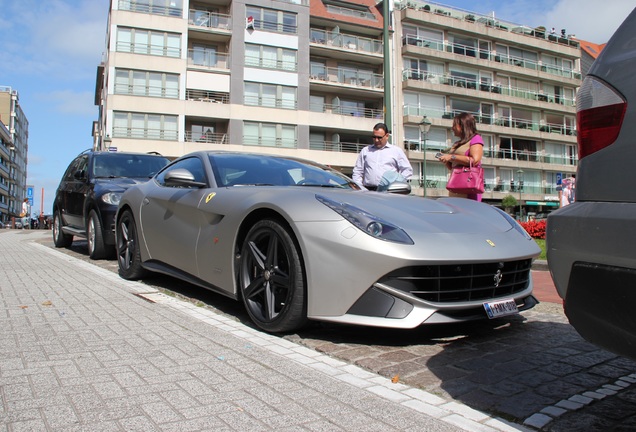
70 102
589 20
54 38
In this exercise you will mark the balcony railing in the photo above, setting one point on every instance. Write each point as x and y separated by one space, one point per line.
200 18
349 77
270 102
262 141
350 12
350 42
207 96
346 110
149 7
143 133
488 119
346 147
208 59
207 138
149 49
471 51
146 90
266 63
487 21
486 86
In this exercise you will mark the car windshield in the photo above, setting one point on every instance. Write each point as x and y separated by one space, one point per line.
114 165
245 169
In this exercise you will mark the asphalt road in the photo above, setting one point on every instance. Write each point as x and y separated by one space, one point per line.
532 369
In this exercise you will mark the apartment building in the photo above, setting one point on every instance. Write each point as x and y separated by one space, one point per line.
14 147
308 79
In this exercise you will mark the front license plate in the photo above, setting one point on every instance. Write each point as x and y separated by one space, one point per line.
501 308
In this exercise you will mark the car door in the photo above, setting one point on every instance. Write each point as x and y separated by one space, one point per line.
76 186
170 219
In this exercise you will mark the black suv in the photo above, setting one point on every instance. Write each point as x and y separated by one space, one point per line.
88 195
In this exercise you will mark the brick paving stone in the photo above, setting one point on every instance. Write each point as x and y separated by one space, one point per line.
540 359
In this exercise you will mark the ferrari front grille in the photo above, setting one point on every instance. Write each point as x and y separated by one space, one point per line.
452 283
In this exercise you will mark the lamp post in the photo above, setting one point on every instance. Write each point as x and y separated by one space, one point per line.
520 187
425 126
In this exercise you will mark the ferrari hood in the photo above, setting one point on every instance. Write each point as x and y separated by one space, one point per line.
412 213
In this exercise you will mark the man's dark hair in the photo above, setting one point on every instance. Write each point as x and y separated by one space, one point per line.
382 126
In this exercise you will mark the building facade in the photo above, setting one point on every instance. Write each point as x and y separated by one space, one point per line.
14 147
311 79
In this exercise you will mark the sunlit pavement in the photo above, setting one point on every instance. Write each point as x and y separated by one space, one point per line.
532 369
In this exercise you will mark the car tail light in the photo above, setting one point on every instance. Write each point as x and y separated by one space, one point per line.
599 115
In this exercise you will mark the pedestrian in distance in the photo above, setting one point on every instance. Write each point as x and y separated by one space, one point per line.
467 150
26 214
378 158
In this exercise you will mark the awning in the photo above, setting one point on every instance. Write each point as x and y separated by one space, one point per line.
543 203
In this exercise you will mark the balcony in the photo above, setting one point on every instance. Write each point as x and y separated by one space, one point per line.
208 59
143 6
207 96
206 138
471 51
482 20
486 86
347 44
348 77
209 20
346 110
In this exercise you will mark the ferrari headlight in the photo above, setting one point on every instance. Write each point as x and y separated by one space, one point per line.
514 223
112 198
370 224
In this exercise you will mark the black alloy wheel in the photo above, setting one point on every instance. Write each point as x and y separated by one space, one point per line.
272 278
127 244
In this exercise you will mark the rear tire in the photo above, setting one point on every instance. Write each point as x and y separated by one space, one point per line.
95 237
127 244
60 239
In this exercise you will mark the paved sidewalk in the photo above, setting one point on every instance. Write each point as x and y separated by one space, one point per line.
82 349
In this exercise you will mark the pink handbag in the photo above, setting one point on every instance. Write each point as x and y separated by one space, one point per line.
466 179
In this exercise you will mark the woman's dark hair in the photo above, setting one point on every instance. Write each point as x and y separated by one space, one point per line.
468 126
382 126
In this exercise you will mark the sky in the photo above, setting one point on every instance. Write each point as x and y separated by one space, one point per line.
51 50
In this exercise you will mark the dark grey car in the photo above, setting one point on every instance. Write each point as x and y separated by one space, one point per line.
590 243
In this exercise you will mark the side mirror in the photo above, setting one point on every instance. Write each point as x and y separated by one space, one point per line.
79 175
181 177
400 188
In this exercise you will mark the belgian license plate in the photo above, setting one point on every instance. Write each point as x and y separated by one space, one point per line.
501 308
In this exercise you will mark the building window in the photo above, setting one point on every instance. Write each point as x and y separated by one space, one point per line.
145 126
270 95
144 83
269 135
268 57
140 41
272 20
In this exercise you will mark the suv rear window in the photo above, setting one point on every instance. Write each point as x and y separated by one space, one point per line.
125 165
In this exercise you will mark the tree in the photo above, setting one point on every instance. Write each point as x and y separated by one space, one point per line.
508 203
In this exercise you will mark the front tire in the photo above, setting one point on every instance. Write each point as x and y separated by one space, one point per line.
272 278
95 237
127 244
60 239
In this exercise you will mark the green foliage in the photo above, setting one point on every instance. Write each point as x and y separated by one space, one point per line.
509 202
541 243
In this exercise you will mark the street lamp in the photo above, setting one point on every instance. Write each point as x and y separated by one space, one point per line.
520 187
425 126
